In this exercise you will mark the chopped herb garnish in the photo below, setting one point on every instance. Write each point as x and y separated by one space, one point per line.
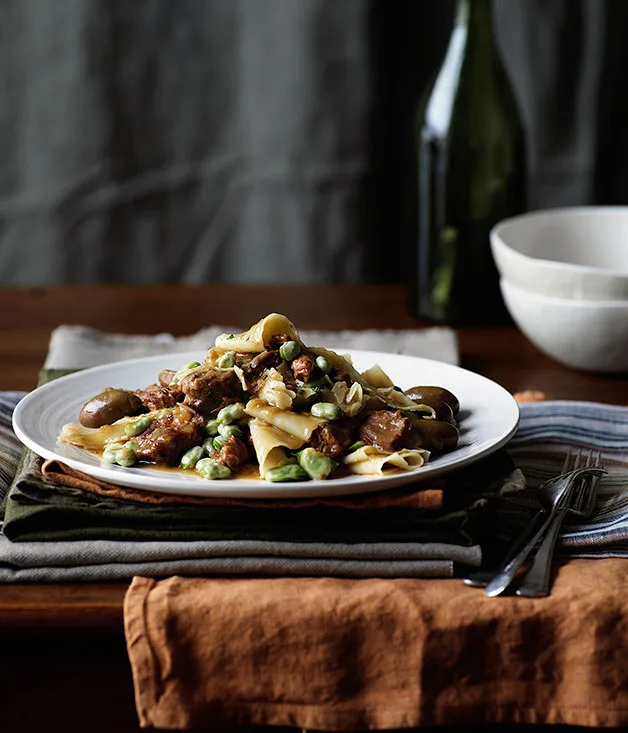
230 336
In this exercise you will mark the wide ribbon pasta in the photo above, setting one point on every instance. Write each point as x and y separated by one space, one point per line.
270 444
299 424
257 338
94 439
371 460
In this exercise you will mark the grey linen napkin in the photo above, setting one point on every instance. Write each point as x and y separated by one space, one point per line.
82 560
74 347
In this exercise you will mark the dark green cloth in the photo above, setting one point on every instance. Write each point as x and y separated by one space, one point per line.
37 509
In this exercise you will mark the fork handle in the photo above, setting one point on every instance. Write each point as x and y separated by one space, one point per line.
524 546
536 581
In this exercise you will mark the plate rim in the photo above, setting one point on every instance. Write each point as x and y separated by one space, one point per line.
257 488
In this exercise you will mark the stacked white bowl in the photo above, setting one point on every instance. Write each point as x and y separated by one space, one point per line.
564 278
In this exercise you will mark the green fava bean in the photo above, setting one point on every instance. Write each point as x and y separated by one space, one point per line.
326 410
286 472
226 431
208 446
191 457
111 451
212 470
211 428
138 426
324 364
317 465
231 413
227 360
218 442
290 350
125 457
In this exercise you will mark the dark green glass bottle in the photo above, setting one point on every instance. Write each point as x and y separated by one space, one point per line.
470 172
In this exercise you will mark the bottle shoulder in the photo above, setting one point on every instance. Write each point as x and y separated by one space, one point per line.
471 88
484 111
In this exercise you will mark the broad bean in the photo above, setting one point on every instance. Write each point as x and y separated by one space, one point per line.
122 454
191 457
226 431
210 469
211 428
218 442
324 364
286 472
138 426
326 410
317 465
231 413
227 360
126 457
290 350
111 451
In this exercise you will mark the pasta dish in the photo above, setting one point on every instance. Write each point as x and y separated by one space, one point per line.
264 404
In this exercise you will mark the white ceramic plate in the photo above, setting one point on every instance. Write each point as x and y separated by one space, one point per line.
488 418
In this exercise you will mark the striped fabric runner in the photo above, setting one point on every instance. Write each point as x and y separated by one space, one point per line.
546 432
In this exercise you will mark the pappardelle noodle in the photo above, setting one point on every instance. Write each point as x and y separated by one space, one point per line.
263 404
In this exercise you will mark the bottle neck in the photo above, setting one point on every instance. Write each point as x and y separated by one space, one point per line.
475 17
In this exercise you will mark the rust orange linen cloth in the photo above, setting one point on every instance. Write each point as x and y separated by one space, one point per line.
340 654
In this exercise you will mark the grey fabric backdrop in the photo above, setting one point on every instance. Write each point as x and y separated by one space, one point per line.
263 140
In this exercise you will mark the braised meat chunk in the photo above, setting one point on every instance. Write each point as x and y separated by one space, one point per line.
165 377
340 375
156 396
331 438
233 453
389 431
208 389
303 367
254 369
168 437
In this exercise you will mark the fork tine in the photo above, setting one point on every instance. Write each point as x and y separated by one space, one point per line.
585 498
573 458
579 490
566 462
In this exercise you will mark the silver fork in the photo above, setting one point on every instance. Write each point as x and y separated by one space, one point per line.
551 495
580 501
481 578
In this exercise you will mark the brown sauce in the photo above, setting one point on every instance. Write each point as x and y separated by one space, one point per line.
248 471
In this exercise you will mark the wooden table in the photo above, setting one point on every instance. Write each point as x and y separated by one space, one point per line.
65 643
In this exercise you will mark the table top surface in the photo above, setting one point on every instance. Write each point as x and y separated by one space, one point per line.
30 314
